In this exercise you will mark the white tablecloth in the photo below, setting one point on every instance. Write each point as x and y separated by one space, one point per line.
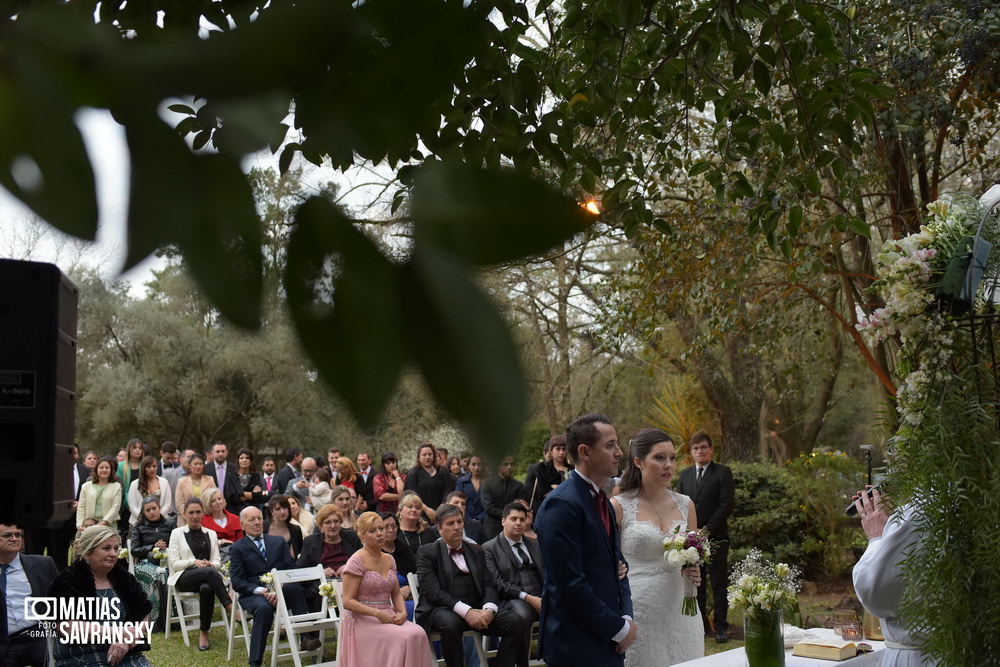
737 658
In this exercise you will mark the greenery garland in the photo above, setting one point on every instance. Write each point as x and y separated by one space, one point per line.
947 438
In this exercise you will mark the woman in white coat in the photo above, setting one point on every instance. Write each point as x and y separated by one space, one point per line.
101 497
148 485
194 562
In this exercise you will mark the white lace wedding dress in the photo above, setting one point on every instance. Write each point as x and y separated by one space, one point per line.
665 635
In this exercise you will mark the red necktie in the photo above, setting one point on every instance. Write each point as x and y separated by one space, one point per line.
268 480
602 508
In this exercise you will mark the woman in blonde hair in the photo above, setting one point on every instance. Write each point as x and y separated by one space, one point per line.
97 573
412 529
374 629
192 485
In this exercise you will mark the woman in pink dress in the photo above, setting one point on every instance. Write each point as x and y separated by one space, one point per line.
373 627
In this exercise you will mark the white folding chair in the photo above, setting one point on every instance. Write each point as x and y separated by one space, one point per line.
245 627
188 620
129 558
295 624
477 638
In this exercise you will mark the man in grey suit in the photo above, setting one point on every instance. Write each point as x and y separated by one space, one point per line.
710 485
515 564
21 576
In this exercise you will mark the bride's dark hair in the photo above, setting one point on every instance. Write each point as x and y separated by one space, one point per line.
638 447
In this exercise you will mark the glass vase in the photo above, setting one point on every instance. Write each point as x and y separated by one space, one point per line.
763 638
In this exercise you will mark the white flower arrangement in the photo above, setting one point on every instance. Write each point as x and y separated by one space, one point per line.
157 553
267 580
122 553
757 586
910 272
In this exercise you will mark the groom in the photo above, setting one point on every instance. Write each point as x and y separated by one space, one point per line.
586 608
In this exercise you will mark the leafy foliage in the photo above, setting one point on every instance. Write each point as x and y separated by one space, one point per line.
231 74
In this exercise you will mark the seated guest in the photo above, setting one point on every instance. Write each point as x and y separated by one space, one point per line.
244 486
280 524
249 558
300 517
101 497
393 545
412 529
374 629
457 594
343 499
473 529
332 546
226 525
97 572
194 563
148 484
152 532
515 565
21 643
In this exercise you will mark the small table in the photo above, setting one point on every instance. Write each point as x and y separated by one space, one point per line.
737 658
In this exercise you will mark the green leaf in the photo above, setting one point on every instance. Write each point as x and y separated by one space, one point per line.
762 77
699 168
491 216
794 220
349 323
458 339
859 226
223 246
43 161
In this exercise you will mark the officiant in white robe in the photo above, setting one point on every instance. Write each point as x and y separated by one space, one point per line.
878 577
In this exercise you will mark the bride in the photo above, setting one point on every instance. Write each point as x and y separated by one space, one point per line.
648 511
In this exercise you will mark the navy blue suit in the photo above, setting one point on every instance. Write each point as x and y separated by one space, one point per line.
246 564
583 600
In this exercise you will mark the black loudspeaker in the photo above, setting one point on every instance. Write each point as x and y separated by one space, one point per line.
38 311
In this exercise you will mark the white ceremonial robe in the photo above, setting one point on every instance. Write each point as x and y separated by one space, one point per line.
878 581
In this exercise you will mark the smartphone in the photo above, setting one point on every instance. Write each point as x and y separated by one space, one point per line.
852 510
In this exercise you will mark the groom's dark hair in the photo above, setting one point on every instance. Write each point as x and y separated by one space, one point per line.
583 431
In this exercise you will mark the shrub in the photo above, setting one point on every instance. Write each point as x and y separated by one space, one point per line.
823 484
766 515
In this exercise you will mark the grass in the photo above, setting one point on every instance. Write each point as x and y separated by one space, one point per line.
817 610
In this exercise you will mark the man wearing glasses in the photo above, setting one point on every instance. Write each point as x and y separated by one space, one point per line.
21 576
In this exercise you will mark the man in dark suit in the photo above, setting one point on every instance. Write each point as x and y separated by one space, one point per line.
55 537
515 564
293 460
219 468
710 486
473 529
364 485
498 492
457 595
586 614
21 576
250 557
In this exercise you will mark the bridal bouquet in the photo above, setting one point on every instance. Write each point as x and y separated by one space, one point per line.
687 548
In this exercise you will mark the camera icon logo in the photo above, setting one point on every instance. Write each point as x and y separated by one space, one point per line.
39 609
